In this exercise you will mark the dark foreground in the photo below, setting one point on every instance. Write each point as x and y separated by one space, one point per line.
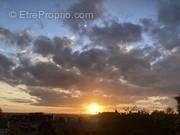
157 123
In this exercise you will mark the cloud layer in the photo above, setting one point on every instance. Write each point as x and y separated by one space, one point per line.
116 66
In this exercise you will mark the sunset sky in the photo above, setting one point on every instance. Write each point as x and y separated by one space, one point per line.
126 54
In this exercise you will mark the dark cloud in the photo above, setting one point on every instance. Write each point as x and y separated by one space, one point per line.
45 46
50 75
92 60
148 24
85 6
168 37
169 12
165 36
6 35
116 33
166 30
6 65
168 70
22 76
21 39
50 97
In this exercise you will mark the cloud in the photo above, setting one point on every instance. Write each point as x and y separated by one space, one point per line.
21 39
117 33
154 103
83 71
169 12
84 6
50 75
5 67
165 31
6 63
168 71
168 37
45 46
103 69
54 97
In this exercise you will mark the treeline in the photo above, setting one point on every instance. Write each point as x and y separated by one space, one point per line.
114 123
139 123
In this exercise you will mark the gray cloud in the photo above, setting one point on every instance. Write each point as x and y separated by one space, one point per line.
50 97
169 12
166 30
85 6
45 46
168 37
85 71
116 33
168 69
102 66
5 67
50 75
21 39
6 63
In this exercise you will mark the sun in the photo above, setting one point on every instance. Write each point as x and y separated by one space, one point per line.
94 108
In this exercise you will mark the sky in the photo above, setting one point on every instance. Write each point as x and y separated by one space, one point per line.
60 56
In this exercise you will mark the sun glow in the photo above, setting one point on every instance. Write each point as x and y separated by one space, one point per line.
94 108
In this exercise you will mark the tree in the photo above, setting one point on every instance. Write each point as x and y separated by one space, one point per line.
1 112
169 110
178 103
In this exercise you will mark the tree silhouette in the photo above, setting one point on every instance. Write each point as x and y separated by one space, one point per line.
169 110
178 103
1 112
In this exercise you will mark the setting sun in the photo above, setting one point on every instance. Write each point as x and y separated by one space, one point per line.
94 108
